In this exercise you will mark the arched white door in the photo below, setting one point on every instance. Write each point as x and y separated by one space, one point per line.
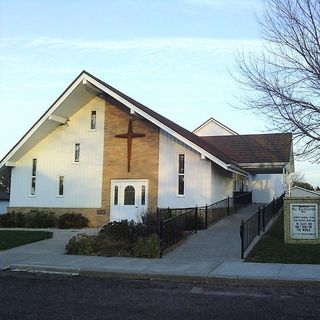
128 199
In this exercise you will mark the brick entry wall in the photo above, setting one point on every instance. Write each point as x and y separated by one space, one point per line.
144 156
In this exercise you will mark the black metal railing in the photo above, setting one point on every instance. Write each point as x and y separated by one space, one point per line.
240 200
216 211
253 226
175 224
176 228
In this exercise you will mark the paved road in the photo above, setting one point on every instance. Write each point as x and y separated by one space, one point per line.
38 296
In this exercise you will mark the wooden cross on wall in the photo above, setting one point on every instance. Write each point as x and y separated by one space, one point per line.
129 136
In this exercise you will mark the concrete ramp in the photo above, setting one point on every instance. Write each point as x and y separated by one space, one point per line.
220 242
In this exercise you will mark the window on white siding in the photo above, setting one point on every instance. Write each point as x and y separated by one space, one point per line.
61 186
93 120
77 152
181 164
116 195
33 177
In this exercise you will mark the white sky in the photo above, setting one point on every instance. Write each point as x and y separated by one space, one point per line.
175 56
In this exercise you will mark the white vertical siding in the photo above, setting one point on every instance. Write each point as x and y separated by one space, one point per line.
212 129
55 157
266 186
197 175
222 184
3 206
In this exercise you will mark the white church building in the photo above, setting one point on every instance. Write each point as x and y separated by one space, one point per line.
98 152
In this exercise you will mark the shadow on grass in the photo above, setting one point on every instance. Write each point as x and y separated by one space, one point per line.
14 238
271 248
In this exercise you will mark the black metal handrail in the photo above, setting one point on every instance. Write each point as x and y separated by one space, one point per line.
253 226
177 228
175 224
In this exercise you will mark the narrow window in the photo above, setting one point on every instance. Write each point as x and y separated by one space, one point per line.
143 195
93 120
77 152
33 177
116 191
181 175
235 182
129 196
61 186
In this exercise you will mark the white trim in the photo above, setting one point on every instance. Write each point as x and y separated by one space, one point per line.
88 80
10 164
263 164
58 119
217 123
42 120
159 124
306 190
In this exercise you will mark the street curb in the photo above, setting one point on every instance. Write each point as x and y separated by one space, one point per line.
236 280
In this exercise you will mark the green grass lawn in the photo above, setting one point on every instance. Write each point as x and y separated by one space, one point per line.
271 248
14 238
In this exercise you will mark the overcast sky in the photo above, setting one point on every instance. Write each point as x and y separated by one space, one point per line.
175 56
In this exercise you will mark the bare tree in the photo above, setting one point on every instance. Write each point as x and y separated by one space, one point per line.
297 177
285 77
5 182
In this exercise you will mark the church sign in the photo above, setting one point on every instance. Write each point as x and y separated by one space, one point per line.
301 220
304 221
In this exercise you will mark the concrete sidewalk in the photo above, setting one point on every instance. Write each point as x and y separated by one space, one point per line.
48 256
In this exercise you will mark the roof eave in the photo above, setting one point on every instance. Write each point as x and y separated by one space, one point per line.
144 114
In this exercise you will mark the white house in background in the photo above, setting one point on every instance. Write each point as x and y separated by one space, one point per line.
98 152
4 202
302 192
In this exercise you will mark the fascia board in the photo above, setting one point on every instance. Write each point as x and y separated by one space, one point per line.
42 120
158 123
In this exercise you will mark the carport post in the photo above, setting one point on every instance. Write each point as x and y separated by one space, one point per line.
228 202
196 219
242 240
161 237
259 222
206 217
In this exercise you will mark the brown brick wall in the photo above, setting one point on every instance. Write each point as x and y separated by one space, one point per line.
287 202
144 156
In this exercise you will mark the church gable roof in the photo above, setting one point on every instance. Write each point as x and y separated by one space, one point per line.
87 86
218 155
274 148
213 127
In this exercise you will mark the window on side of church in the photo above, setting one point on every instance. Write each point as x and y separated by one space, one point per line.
77 152
116 195
33 177
181 163
61 186
93 120
143 195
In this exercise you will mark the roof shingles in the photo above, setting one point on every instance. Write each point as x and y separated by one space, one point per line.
254 148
